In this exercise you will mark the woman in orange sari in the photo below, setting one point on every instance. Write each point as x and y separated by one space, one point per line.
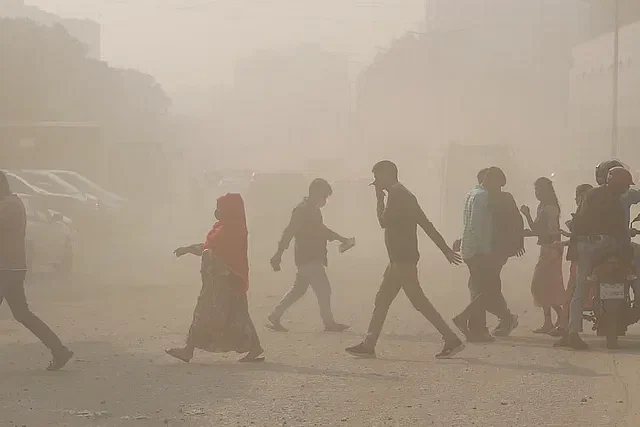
221 321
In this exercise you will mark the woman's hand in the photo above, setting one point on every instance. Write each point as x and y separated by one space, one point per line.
183 250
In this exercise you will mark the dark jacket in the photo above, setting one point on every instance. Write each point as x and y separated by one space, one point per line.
311 235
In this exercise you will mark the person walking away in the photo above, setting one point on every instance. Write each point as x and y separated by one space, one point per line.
399 217
563 321
547 285
310 252
508 240
482 256
13 270
600 226
221 321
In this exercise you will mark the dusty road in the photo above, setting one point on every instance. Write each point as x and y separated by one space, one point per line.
119 324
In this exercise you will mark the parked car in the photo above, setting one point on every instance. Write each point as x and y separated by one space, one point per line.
49 239
84 212
111 201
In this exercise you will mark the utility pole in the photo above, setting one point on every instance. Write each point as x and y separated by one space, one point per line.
614 109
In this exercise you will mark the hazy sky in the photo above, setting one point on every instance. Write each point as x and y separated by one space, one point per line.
190 44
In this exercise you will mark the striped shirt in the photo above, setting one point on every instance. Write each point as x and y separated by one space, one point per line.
477 235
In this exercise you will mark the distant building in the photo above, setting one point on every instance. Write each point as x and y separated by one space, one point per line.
290 107
86 31
592 95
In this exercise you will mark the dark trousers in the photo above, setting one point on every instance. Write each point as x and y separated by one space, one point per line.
487 290
12 290
477 322
403 276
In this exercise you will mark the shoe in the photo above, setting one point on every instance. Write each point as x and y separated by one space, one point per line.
253 356
60 359
450 349
336 327
505 327
558 332
480 337
462 325
275 324
545 329
576 343
361 350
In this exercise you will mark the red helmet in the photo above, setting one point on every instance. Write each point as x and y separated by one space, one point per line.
621 176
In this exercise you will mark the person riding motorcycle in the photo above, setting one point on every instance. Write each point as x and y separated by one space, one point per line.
630 198
600 226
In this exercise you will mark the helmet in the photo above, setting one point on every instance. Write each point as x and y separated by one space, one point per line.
621 176
603 168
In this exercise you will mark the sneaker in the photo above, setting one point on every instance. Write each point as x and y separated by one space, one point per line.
558 332
480 337
361 350
450 349
505 327
336 327
462 325
275 324
60 359
576 343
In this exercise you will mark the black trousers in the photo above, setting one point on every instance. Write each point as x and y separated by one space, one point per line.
485 287
12 290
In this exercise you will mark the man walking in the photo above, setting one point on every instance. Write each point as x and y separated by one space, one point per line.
311 237
507 241
13 269
399 217
483 257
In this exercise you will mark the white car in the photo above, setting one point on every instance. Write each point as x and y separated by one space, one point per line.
49 239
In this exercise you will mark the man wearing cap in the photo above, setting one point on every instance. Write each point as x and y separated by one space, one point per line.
600 225
399 216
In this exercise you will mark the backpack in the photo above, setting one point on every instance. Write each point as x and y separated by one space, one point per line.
508 225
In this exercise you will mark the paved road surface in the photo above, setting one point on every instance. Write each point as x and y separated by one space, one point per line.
119 325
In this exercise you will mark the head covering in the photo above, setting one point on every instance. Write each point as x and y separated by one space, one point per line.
228 239
603 168
620 175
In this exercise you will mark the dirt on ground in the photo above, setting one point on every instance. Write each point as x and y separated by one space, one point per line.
127 304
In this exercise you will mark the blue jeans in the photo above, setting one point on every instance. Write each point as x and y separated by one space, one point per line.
589 249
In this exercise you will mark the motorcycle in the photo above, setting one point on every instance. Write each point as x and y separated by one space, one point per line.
608 304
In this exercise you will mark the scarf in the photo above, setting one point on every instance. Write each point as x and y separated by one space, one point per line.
228 239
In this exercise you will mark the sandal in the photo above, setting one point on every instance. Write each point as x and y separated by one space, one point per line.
545 329
253 356
180 354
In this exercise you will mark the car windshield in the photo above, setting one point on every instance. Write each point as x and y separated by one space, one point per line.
80 183
18 186
49 183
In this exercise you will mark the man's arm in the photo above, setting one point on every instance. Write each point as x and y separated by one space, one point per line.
429 228
290 231
631 197
380 207
332 235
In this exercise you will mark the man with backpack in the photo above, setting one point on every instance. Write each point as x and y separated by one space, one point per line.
493 232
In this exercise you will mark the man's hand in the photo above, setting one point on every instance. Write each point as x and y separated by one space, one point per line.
183 250
275 262
454 258
379 193
457 245
525 210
